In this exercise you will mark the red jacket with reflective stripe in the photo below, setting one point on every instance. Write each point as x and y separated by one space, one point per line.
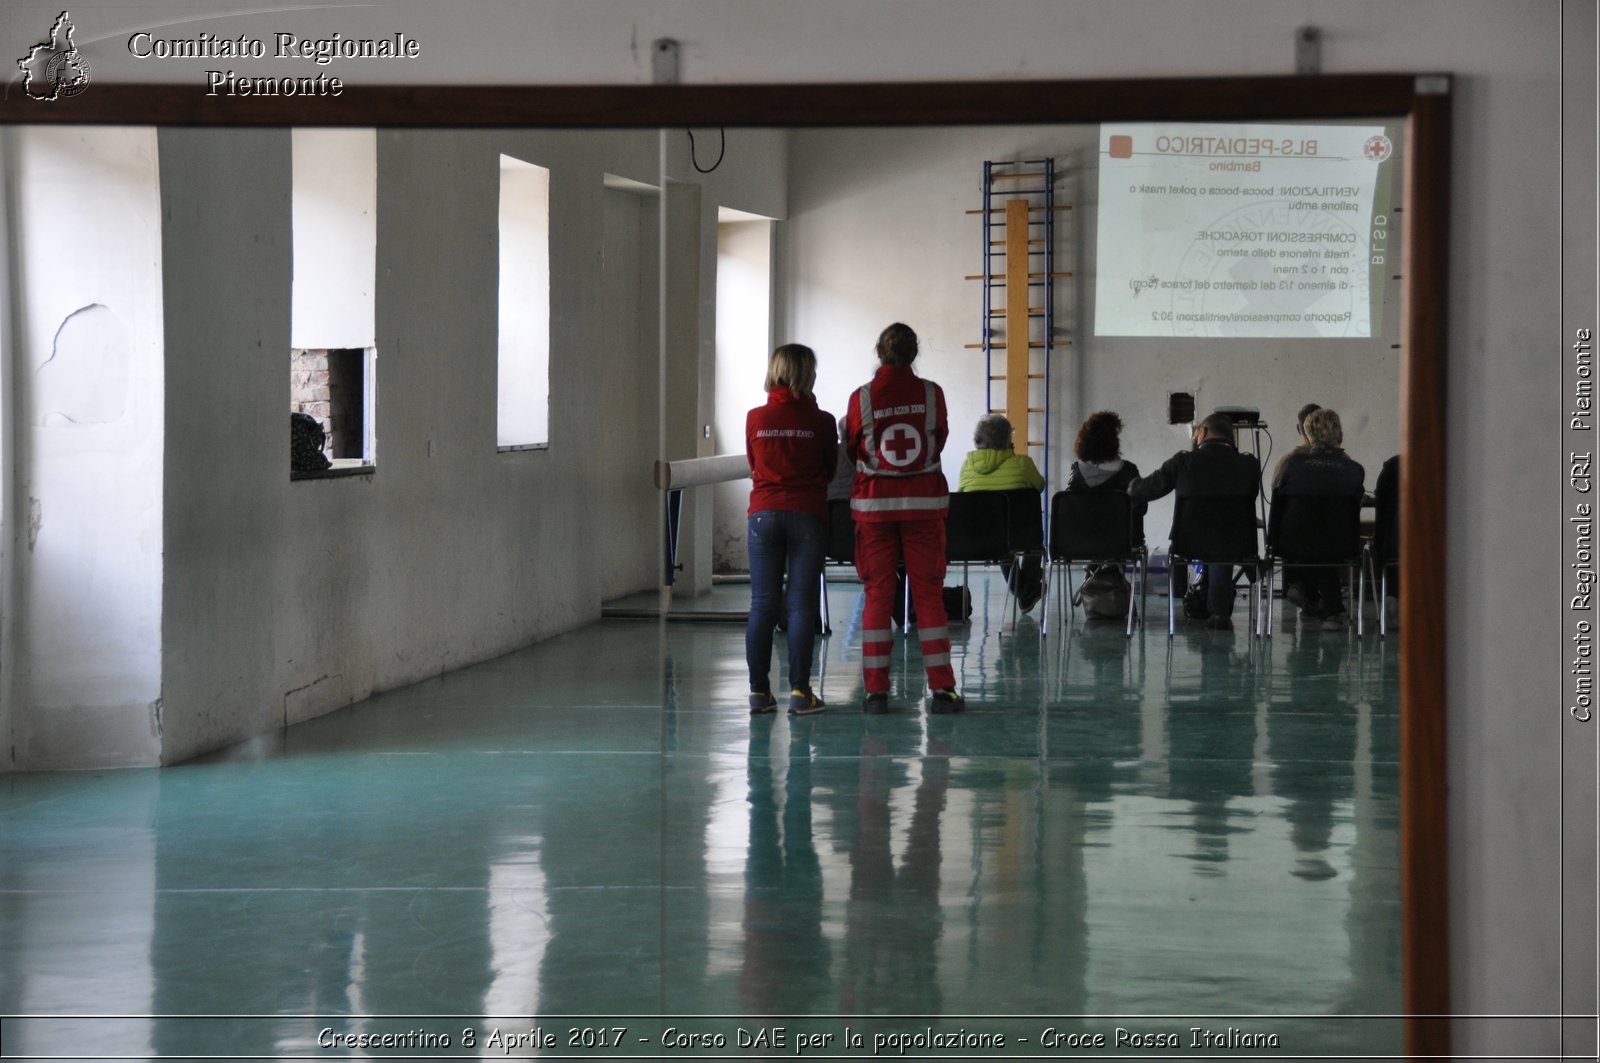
792 448
895 433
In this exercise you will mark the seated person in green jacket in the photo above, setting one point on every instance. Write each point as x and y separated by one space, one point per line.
996 466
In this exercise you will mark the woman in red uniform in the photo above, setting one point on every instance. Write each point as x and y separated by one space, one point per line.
792 448
896 430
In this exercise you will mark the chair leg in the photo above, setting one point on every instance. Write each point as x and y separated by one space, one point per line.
1044 597
827 625
1128 630
966 588
1361 600
1144 583
1172 590
1261 591
1011 585
1383 603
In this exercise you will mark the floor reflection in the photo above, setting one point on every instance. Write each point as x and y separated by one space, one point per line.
596 827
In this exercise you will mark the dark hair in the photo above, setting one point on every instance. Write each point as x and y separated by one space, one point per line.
1218 424
897 345
1305 411
1099 437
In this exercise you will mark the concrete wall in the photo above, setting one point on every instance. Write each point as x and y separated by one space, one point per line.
293 598
85 519
878 232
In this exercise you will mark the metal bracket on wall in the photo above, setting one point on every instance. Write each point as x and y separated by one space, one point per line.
1308 50
663 61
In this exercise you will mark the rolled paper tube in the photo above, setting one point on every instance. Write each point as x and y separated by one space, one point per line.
692 472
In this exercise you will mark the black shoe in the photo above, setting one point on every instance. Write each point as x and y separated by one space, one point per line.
762 702
876 703
943 701
805 703
1220 623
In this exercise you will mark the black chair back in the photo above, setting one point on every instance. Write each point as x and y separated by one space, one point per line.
841 532
975 526
1215 528
1314 529
1091 526
1024 520
1386 522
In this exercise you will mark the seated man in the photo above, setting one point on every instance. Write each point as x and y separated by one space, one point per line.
1214 468
996 466
1320 470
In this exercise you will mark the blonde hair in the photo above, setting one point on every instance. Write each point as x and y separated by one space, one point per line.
1323 429
792 366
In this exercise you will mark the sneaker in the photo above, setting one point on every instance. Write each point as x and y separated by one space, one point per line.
943 701
1333 622
876 702
1219 623
762 702
805 703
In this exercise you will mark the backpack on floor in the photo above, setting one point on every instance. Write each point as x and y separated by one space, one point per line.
958 603
1104 594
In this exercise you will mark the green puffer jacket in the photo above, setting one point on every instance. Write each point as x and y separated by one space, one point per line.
999 470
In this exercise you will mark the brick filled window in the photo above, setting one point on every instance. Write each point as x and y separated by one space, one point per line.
330 385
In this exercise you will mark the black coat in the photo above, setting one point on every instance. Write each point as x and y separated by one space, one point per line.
1321 472
1213 469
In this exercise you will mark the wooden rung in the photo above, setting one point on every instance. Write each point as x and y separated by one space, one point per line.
1031 210
1000 345
1035 442
999 280
1031 376
1035 409
1014 176
1002 243
1033 311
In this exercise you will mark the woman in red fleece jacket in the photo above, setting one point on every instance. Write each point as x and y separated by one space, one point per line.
792 448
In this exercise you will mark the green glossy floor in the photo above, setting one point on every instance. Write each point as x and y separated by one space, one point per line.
1141 834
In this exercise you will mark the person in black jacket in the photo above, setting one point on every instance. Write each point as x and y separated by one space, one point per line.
1214 468
1322 470
1100 465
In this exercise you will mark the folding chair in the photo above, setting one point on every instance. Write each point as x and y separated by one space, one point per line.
841 549
1318 531
1024 539
1385 551
1095 527
976 529
1215 530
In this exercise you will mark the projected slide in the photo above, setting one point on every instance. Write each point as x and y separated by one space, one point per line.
1242 230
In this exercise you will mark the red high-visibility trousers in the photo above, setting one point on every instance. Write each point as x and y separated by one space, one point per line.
880 547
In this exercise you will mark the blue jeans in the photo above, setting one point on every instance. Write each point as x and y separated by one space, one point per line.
783 540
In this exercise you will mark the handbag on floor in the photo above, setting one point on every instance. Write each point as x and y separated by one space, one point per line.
1104 594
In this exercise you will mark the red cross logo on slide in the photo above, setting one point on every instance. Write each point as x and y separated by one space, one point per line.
902 445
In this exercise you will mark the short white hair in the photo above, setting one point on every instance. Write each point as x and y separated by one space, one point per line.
993 432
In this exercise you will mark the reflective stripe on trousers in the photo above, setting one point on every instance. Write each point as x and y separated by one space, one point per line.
880 546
